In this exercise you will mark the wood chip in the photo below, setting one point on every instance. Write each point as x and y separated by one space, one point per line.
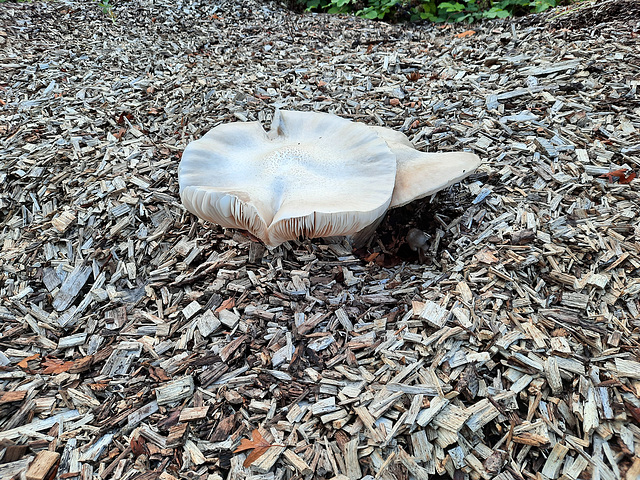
43 465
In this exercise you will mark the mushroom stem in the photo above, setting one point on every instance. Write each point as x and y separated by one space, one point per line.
364 236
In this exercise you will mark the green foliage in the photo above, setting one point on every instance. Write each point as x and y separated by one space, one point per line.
107 9
378 9
432 10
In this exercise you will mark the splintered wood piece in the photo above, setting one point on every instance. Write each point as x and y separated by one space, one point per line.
550 68
81 364
532 439
194 413
175 390
351 459
297 462
12 469
72 341
116 318
194 453
477 465
224 428
38 425
411 464
166 476
228 318
140 414
43 465
343 318
208 323
369 422
256 252
153 436
95 450
177 435
191 309
428 414
552 374
552 466
480 414
121 359
15 396
267 460
431 312
628 368
64 220
231 347
71 287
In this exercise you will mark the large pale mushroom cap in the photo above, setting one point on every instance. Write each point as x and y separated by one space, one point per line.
420 174
311 175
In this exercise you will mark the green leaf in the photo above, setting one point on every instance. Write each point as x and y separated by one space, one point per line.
542 5
311 4
452 7
496 12
431 17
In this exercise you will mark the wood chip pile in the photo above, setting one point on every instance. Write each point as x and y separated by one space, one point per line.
139 343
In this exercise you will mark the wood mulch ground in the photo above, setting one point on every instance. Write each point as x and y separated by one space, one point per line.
139 343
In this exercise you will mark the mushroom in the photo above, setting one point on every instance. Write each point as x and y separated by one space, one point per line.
417 241
312 175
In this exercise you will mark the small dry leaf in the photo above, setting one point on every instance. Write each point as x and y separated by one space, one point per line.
53 366
468 33
158 374
628 179
257 443
122 116
372 257
228 304
559 332
120 133
24 363
620 174
139 446
100 386
414 76
394 102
